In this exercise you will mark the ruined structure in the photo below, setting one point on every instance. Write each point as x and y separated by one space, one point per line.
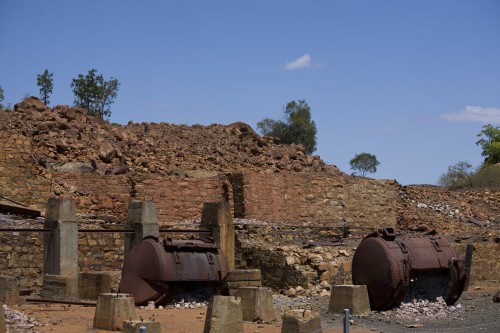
61 152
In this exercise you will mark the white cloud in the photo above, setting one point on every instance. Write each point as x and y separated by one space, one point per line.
301 62
475 113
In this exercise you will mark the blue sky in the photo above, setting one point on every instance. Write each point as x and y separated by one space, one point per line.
412 82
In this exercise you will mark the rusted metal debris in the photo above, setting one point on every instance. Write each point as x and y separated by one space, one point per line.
154 269
393 267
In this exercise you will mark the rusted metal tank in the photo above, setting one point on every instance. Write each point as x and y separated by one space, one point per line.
393 267
156 269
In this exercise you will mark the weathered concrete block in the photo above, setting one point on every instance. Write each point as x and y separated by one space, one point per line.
9 293
352 297
244 275
60 287
224 315
301 321
256 304
133 326
112 310
92 284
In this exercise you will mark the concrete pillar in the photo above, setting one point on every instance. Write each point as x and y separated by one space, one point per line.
301 321
217 216
112 310
61 245
257 304
224 315
352 297
142 219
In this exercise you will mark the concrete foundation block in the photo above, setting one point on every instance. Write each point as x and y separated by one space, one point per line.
257 304
301 321
133 326
224 315
92 284
3 328
112 310
60 287
244 275
9 292
352 297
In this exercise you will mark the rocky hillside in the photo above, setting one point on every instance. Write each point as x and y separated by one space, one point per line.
64 134
457 213
67 139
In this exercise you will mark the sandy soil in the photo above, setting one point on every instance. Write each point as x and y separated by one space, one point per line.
59 318
480 314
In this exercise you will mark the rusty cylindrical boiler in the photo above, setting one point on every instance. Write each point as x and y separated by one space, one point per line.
154 270
393 267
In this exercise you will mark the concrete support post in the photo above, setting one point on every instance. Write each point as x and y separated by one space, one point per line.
142 219
61 245
60 257
217 216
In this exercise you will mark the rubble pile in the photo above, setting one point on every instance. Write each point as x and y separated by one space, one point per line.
425 308
18 322
67 139
432 208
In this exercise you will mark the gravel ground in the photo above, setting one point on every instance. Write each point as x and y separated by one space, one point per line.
475 311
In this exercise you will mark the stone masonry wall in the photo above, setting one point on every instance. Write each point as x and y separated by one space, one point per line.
176 198
485 263
21 255
315 199
20 179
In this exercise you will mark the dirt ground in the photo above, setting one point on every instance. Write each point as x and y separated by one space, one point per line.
59 318
480 313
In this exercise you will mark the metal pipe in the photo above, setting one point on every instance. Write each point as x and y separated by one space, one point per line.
121 231
346 320
25 230
143 329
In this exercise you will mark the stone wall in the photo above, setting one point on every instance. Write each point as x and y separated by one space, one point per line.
176 198
315 199
20 179
485 262
21 255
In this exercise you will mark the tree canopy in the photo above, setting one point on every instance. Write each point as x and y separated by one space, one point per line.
298 127
458 175
490 143
364 163
46 83
95 94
